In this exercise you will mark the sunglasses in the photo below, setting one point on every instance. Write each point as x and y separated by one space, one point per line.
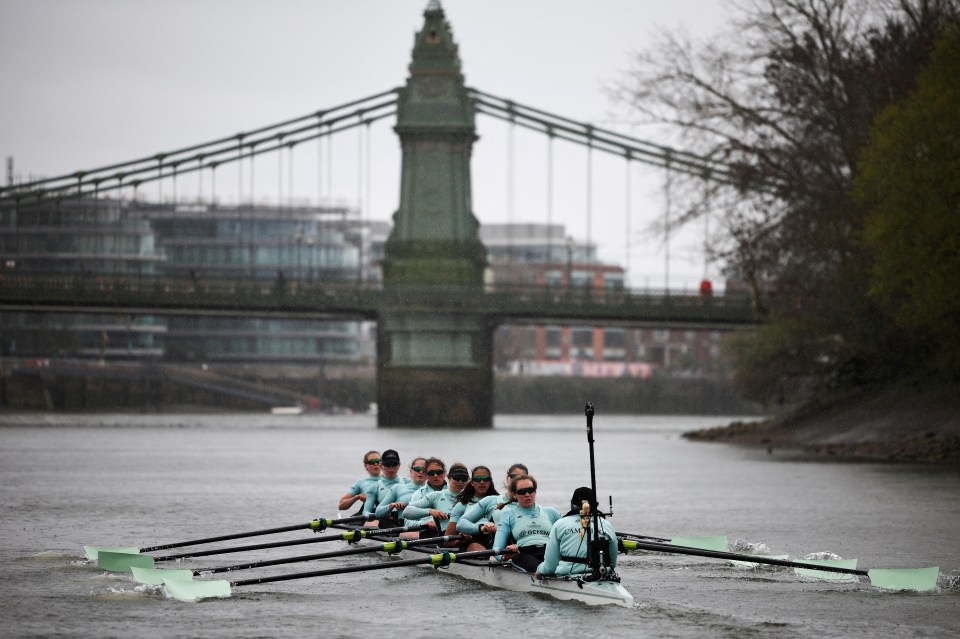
526 491
391 464
417 469
434 473
481 478
459 477
374 461
514 475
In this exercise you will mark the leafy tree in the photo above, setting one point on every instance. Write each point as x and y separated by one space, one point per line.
910 181
786 101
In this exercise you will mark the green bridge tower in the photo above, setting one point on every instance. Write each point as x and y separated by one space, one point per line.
434 369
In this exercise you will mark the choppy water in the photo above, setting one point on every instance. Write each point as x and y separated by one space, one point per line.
66 481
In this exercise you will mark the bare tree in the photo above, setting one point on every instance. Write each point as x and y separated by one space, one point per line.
786 99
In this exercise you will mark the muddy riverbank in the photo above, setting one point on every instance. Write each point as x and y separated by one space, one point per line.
896 425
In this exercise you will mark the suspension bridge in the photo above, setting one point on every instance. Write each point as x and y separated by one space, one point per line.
434 305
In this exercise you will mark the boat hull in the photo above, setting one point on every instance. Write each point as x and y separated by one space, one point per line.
594 593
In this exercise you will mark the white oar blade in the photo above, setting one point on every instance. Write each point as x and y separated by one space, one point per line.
155 576
716 542
122 561
92 551
826 574
187 590
919 579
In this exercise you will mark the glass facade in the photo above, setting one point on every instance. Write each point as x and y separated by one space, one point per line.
109 242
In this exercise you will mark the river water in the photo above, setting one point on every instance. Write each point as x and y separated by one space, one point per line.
138 480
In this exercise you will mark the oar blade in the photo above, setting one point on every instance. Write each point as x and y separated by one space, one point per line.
714 542
122 561
826 574
155 576
188 590
919 579
92 552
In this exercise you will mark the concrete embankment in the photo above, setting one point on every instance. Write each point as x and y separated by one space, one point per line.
895 425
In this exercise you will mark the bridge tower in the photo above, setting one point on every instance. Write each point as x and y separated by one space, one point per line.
434 369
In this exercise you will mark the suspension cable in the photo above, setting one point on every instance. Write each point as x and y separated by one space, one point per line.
549 194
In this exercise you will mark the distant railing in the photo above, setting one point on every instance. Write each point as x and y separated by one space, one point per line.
359 300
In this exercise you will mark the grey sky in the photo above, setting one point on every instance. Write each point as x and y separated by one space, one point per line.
92 82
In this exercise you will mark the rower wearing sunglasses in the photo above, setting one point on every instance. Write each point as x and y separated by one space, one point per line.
433 509
482 518
390 503
365 487
528 523
480 487
390 464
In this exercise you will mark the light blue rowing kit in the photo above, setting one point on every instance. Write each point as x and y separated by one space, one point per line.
528 526
568 542
480 513
459 509
417 496
419 509
399 491
383 489
367 485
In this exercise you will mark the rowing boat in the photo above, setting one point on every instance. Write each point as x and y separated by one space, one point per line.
504 575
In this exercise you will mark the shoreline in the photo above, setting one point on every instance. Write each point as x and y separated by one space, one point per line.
896 425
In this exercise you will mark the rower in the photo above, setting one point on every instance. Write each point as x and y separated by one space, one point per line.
567 552
482 517
433 509
480 487
392 501
390 461
526 522
362 489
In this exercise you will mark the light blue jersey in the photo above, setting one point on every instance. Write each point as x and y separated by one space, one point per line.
400 491
565 541
528 526
419 509
384 487
417 496
367 485
460 508
475 515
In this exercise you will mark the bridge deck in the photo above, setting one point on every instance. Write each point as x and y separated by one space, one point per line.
326 300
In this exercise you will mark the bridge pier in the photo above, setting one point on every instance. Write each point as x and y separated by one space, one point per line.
434 368
434 371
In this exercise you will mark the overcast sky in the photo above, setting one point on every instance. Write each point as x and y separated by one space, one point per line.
86 83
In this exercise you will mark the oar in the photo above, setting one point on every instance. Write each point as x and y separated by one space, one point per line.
317 525
156 576
187 590
122 562
921 579
711 542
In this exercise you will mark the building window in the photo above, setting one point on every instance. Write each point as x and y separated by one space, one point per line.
581 343
614 344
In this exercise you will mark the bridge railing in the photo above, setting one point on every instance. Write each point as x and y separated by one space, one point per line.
363 300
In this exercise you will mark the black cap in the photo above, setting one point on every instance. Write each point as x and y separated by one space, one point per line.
390 456
459 473
580 495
